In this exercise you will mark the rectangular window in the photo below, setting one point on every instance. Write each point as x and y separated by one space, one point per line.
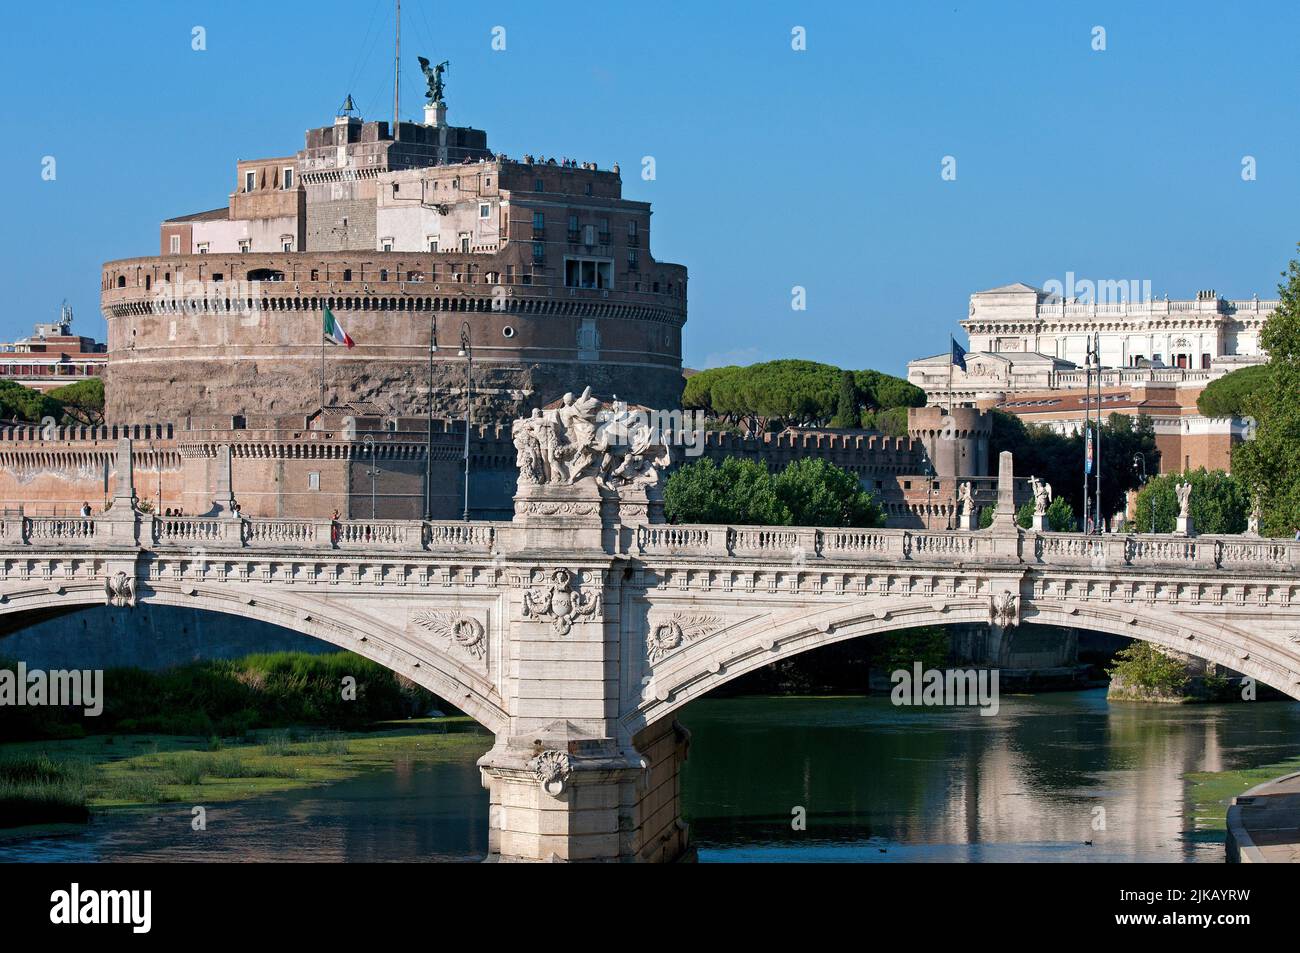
250 181
464 243
588 273
537 186
539 253
203 248
245 244
313 480
176 244
385 244
287 245
589 234
288 178
603 237
484 210
510 274
633 260
433 243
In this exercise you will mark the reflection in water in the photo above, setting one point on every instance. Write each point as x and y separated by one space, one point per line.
879 784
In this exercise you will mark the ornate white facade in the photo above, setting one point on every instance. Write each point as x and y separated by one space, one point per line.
1025 339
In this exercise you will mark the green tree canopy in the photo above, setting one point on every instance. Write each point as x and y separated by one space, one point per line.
83 402
1270 464
1219 504
795 393
744 492
1227 396
25 404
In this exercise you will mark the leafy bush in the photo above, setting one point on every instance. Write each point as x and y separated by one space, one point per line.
1143 665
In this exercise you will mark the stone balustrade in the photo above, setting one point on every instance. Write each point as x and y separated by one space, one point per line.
256 533
853 545
781 543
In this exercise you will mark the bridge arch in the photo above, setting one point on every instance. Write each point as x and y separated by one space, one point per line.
420 661
709 663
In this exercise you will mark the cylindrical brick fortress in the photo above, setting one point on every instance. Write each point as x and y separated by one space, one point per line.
217 334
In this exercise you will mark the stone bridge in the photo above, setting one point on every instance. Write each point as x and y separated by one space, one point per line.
576 631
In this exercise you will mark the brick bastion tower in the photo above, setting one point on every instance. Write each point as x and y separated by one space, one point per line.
410 237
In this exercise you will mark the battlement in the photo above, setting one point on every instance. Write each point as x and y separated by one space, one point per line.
35 433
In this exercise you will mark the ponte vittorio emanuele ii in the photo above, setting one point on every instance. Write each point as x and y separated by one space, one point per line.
575 631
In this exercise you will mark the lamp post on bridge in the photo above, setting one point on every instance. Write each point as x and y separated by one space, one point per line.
467 353
428 450
369 443
1140 460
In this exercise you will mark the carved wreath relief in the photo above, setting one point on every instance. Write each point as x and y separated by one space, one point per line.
559 604
119 590
672 634
460 630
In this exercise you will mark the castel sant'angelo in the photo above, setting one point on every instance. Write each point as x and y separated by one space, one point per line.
355 330
407 234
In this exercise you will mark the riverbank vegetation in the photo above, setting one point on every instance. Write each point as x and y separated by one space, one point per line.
212 730
230 697
47 782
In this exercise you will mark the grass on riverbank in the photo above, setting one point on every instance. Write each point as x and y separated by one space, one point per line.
1209 792
59 781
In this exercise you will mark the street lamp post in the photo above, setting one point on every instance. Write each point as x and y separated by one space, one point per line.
369 443
1141 460
428 450
468 354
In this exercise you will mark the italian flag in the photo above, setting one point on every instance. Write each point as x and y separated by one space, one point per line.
334 331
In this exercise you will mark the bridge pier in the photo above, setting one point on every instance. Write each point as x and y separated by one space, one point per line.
587 799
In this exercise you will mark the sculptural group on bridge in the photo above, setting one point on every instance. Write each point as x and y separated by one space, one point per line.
562 445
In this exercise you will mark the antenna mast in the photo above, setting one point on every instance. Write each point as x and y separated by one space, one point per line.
397 77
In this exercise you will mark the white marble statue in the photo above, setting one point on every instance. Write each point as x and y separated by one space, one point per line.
576 440
1042 495
1184 500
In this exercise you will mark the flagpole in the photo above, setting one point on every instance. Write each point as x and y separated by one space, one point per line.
1097 455
1087 433
322 369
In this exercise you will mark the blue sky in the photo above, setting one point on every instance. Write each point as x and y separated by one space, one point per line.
775 168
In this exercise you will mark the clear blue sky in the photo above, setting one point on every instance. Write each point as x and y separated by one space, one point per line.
775 168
